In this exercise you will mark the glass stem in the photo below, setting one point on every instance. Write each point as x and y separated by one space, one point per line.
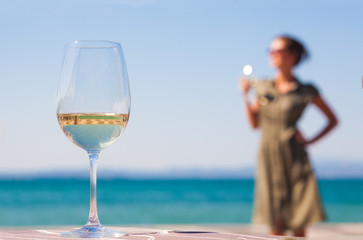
93 215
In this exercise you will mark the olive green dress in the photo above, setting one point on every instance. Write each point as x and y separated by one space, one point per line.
286 187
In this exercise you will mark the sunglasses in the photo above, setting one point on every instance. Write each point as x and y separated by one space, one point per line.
277 51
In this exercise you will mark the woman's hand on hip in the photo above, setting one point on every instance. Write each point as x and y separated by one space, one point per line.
299 137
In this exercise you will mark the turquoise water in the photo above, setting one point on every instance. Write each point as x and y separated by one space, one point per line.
65 201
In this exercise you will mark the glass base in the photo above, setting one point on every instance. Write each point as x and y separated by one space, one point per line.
93 231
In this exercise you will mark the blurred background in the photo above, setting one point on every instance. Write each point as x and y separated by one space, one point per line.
187 120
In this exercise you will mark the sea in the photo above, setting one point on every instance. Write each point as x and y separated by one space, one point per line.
59 201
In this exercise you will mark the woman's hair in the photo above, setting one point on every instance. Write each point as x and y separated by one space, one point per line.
295 46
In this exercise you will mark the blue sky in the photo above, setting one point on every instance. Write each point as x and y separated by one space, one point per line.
184 59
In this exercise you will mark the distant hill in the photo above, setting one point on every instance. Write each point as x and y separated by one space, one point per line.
325 169
339 168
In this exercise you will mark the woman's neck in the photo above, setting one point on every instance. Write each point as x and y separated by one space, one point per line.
284 81
283 77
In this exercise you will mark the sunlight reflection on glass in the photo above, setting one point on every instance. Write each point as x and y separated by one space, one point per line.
247 70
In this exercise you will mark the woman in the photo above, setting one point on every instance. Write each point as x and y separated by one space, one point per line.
286 192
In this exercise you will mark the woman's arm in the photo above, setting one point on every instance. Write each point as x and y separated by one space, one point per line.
328 113
252 109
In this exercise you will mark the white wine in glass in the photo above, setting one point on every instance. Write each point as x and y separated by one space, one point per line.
93 107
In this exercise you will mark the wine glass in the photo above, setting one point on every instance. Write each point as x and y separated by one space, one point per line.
93 106
252 79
